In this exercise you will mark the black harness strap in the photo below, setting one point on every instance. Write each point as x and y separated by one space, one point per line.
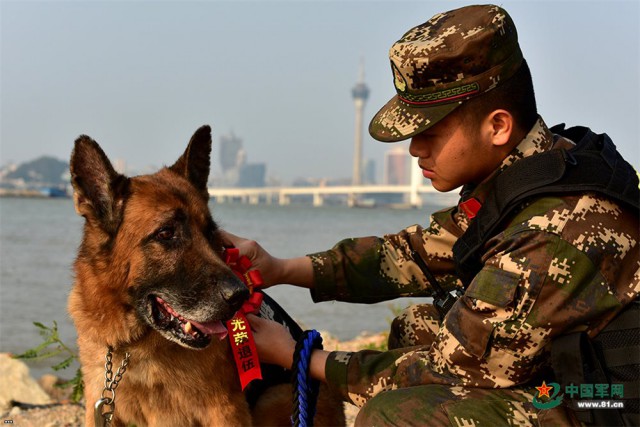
272 374
442 299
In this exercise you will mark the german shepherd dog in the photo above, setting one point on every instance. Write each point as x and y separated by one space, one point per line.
150 281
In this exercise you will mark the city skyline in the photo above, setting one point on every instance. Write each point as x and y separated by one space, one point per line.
140 77
218 169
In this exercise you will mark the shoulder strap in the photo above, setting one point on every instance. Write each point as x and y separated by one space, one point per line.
443 300
593 165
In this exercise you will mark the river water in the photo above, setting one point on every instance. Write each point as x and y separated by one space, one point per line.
39 239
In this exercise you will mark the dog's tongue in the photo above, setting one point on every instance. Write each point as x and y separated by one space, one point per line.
216 328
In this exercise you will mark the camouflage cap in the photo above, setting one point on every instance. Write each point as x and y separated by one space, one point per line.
451 58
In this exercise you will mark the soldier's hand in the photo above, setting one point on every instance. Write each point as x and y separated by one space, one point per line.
295 271
274 343
260 259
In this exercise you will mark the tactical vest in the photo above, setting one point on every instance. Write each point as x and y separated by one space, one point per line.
593 165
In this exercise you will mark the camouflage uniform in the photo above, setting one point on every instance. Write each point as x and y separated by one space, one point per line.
558 264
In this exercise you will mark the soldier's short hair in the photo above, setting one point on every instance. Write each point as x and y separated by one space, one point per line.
516 95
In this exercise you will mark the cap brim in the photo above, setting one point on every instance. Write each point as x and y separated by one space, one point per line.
397 120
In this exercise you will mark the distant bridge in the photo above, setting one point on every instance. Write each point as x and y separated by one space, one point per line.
282 195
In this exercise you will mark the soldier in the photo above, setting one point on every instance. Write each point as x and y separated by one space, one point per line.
546 256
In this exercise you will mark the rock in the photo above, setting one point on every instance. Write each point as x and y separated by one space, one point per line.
18 385
69 415
48 383
51 385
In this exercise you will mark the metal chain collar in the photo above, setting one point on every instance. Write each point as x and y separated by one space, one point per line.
105 407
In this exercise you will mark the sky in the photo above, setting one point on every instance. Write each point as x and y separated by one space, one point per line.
141 76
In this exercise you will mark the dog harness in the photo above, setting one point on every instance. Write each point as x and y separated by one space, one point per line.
305 389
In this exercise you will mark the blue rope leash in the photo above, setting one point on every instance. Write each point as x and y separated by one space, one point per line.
305 388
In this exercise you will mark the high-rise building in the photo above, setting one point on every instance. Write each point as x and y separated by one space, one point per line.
397 167
252 175
230 151
236 171
369 169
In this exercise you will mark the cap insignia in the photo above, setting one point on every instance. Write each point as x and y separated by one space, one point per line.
398 79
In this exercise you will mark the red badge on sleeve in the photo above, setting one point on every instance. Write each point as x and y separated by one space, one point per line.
470 207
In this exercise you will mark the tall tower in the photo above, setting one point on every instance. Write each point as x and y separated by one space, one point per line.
360 93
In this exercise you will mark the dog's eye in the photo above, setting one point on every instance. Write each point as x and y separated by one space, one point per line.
166 233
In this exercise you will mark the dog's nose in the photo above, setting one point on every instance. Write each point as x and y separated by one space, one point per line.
235 294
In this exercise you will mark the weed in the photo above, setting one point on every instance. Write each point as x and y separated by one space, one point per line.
52 346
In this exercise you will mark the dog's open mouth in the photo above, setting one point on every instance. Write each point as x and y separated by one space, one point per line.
188 332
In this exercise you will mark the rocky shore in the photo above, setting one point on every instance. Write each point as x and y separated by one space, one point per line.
29 402
25 401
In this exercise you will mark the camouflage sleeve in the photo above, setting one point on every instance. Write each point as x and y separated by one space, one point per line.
358 376
486 340
543 276
373 269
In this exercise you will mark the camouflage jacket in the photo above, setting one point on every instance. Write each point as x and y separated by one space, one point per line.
560 263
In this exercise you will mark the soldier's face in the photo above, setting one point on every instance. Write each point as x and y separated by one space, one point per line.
452 153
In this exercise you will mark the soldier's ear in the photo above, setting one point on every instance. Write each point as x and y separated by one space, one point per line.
195 162
500 125
98 190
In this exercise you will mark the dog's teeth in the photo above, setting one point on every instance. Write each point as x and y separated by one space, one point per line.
187 327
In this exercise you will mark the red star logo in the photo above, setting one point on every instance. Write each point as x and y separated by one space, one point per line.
544 390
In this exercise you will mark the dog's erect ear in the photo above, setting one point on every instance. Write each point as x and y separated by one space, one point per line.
194 164
99 191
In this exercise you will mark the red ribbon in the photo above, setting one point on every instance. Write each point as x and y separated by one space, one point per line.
240 337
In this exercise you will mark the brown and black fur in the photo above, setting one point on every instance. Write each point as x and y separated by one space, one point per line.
151 238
